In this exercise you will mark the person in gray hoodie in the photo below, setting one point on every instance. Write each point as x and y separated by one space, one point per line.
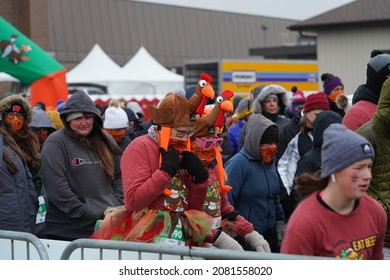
42 125
255 184
81 171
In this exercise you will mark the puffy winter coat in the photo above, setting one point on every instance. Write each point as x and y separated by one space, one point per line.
377 131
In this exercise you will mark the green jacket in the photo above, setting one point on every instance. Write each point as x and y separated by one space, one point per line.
377 131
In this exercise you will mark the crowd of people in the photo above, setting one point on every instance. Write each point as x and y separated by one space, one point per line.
304 175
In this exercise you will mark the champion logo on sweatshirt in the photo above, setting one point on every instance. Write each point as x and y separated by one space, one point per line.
81 161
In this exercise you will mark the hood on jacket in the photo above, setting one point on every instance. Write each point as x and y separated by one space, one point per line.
41 119
255 128
279 91
364 93
6 103
79 101
322 122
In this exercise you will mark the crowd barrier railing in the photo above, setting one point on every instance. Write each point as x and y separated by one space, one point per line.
142 251
26 246
21 246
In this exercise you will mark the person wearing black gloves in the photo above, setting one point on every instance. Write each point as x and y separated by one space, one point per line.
194 167
170 161
164 184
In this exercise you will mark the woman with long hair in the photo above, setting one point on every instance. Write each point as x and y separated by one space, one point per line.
81 171
17 115
18 199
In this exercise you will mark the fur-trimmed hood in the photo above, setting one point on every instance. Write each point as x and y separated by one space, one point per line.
6 103
279 91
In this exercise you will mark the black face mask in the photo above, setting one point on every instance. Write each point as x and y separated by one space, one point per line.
271 116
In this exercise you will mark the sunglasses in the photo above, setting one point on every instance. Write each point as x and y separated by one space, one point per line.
207 144
14 114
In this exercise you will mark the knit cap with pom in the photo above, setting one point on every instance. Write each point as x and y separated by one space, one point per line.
298 98
378 69
330 82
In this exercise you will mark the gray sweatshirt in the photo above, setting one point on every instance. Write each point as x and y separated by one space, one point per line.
78 188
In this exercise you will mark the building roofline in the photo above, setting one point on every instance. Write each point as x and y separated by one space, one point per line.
338 25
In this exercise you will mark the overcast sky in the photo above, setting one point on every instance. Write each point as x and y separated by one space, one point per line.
290 9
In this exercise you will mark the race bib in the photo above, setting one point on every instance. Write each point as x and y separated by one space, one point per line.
177 237
41 214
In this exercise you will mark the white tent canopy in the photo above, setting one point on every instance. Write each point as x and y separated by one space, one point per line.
96 68
143 67
144 75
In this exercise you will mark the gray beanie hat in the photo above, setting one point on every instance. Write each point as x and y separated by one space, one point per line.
341 148
378 69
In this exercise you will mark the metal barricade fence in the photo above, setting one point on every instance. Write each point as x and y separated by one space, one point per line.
25 246
109 249
21 246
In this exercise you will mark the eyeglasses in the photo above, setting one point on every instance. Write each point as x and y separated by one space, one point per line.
182 133
14 114
207 144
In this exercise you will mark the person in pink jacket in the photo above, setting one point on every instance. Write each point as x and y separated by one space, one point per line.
163 194
164 184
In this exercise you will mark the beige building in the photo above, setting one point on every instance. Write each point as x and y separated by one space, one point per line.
346 36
